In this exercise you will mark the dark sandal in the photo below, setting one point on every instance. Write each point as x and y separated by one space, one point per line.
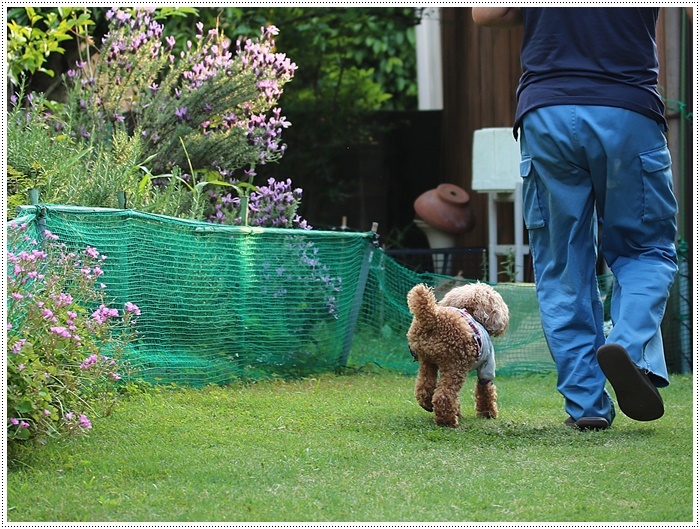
588 423
636 396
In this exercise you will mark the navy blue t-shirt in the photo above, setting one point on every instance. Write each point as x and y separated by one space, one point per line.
590 56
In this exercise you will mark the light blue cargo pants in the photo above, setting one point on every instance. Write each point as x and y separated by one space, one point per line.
581 165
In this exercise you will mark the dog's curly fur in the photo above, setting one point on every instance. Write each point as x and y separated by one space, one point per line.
444 345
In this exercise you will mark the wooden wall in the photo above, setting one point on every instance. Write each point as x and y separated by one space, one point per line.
481 68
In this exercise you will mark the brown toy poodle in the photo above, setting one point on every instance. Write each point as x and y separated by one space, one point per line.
452 338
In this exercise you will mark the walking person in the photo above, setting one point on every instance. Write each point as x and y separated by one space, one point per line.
591 128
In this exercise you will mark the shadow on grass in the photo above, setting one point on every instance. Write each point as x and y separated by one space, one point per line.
507 434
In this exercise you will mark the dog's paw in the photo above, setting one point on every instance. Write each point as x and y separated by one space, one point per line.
450 422
425 399
487 414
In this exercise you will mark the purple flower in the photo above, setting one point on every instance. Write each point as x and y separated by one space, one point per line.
181 114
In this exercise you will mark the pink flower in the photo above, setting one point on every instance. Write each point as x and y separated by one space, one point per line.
130 307
17 346
92 252
85 422
102 314
61 331
17 296
62 299
14 421
115 376
89 361
47 413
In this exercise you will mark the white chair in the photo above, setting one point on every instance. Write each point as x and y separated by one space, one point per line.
496 171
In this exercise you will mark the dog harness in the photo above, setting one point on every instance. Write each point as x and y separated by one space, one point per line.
479 331
486 364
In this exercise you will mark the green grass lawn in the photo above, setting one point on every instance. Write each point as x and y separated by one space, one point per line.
358 448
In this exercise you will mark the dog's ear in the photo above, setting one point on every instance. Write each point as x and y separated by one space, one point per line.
485 304
494 314
494 321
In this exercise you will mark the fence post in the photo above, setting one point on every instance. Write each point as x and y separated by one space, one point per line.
41 216
359 294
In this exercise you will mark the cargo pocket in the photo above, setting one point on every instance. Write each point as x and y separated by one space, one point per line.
532 207
659 200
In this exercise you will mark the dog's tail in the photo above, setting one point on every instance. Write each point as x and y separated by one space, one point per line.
422 303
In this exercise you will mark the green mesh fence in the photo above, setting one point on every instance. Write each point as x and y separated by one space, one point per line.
223 303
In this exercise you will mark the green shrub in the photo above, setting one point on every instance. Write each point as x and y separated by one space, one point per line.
34 33
74 171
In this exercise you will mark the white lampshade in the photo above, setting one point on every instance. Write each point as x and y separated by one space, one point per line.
495 160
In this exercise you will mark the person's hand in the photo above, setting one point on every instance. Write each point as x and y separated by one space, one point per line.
497 17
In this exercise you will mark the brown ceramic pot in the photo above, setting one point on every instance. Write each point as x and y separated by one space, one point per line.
447 208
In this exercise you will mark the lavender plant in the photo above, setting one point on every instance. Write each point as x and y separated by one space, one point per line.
64 341
274 205
220 103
